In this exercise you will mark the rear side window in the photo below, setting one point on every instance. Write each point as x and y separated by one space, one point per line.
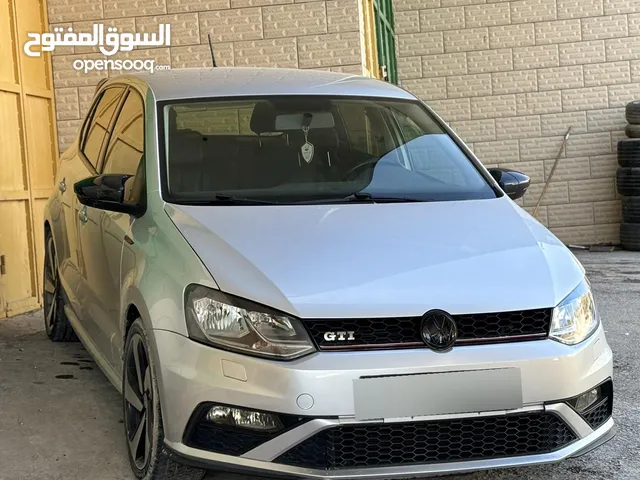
126 143
99 123
126 147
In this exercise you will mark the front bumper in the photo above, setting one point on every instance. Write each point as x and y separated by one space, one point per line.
191 374
245 464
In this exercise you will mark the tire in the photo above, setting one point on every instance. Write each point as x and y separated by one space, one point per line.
632 131
631 209
629 152
633 112
630 236
155 462
56 323
628 181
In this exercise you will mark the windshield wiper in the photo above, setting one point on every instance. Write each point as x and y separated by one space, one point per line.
230 200
358 197
363 197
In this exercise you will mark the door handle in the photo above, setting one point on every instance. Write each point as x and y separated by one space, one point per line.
62 186
82 215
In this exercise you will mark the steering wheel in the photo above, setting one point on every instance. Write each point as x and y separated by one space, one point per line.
366 163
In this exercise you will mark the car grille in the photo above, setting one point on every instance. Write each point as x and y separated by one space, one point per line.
476 438
404 332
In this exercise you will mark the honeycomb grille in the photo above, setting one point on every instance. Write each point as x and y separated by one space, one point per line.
405 331
599 414
352 446
208 436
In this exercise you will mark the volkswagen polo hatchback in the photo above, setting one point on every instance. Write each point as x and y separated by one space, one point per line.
308 274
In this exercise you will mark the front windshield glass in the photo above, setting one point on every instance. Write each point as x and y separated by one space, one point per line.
312 150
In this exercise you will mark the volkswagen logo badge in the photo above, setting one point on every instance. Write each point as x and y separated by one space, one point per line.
438 330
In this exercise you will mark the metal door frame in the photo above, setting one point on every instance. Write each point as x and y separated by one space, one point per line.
385 39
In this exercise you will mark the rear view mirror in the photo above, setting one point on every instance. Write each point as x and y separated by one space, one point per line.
106 192
512 182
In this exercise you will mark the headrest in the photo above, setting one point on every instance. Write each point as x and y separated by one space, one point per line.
326 137
263 118
172 120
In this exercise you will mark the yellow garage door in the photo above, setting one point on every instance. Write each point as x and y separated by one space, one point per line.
28 154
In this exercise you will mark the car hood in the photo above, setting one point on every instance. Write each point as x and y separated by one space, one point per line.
401 259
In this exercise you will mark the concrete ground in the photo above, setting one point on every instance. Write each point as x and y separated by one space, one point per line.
61 419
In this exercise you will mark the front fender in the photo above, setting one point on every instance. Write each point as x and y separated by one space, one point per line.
155 270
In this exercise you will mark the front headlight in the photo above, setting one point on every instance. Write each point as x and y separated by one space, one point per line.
575 318
243 326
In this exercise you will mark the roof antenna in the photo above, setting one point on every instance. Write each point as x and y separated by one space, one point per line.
213 57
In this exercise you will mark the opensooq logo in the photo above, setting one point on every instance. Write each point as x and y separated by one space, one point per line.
108 43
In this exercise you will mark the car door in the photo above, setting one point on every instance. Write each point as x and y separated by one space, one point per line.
105 237
87 220
80 162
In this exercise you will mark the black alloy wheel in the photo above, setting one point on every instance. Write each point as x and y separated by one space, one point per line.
144 432
138 395
51 293
56 323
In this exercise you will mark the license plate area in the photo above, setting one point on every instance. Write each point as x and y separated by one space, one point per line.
400 396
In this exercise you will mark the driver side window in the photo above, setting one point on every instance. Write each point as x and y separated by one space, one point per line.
365 130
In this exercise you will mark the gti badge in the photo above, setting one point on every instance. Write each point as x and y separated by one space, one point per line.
339 336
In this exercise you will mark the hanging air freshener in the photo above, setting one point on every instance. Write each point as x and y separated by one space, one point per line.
307 149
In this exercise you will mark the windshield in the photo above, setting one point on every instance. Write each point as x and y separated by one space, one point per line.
312 149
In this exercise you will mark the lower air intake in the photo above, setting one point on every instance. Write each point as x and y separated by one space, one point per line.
376 445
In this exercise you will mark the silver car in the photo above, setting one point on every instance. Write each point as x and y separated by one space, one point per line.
308 274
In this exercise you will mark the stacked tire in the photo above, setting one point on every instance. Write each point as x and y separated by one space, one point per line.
628 179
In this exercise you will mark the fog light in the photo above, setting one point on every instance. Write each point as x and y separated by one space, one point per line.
587 399
239 417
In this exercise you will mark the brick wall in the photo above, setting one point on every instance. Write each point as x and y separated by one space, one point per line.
275 33
512 76
509 76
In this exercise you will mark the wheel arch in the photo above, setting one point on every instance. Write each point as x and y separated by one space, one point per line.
48 229
52 226
131 315
134 308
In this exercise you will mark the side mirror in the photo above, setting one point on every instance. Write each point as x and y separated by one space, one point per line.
512 182
106 192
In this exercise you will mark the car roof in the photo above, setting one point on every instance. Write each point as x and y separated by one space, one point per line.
254 81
